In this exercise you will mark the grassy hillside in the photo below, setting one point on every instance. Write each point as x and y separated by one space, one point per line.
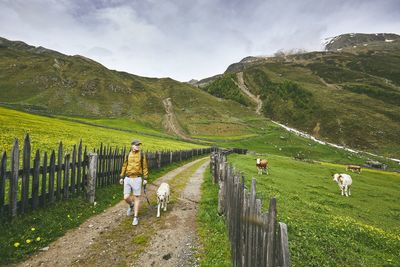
350 96
225 87
46 133
47 82
326 229
277 141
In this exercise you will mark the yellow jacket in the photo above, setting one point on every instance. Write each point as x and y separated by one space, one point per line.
132 167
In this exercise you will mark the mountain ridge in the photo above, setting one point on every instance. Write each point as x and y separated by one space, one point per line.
349 96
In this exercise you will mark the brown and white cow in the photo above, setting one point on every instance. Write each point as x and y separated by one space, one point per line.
354 168
344 182
262 166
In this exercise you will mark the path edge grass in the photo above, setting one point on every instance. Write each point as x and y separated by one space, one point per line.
213 234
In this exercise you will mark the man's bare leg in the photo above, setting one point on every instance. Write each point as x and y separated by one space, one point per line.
136 199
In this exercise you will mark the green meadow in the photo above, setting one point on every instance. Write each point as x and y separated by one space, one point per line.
325 228
46 133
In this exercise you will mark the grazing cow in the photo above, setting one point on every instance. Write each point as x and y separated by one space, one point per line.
262 166
354 168
344 182
162 197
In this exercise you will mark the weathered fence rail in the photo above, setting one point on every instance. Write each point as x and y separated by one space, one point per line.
257 239
61 176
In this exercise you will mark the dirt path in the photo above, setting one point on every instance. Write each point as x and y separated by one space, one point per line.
171 123
176 242
105 239
332 86
243 87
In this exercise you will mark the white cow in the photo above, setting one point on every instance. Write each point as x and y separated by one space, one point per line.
344 182
162 197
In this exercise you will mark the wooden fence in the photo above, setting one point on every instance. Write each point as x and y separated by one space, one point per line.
62 176
257 239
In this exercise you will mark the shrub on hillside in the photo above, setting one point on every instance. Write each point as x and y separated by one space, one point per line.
225 87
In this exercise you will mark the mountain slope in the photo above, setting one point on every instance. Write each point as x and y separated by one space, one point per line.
44 81
349 96
356 39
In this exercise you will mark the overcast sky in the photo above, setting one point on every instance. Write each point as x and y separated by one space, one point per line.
185 39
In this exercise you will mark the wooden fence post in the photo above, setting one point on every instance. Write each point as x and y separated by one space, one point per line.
66 176
282 256
73 170
25 173
59 171
44 180
35 180
52 175
14 178
91 177
222 190
271 232
79 174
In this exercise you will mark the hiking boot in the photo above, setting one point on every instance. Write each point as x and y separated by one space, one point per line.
135 221
129 212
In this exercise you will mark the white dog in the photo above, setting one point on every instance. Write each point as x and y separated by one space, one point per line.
344 182
162 197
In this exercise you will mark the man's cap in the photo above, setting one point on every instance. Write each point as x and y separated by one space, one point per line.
136 142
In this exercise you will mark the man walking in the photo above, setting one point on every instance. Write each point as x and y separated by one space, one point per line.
133 169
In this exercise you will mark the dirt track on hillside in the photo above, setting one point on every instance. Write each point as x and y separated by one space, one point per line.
109 239
171 123
243 87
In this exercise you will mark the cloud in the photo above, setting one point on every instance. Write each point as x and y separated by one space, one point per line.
187 39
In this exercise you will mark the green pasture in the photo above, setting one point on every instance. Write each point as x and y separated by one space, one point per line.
123 124
325 228
274 140
46 133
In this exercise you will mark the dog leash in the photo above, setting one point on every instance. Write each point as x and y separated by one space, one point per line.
145 194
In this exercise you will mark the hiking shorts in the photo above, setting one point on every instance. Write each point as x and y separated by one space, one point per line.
133 185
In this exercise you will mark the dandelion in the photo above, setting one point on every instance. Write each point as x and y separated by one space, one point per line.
69 216
38 239
28 241
16 244
33 229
